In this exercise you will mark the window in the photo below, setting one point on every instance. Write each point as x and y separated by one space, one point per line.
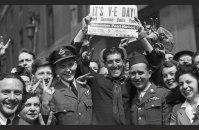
50 25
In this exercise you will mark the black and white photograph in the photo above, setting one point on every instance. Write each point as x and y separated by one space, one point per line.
99 65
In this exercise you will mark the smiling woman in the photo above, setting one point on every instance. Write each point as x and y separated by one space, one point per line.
187 113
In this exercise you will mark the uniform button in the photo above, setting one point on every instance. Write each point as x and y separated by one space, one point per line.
139 118
80 114
152 105
64 110
139 108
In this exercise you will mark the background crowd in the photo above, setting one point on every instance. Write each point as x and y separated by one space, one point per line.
150 86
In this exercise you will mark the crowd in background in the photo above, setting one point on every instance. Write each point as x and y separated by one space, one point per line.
69 87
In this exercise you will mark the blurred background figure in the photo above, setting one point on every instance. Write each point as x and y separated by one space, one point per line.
184 57
168 56
25 59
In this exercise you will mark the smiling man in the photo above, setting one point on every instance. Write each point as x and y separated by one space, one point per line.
11 92
71 101
110 95
149 105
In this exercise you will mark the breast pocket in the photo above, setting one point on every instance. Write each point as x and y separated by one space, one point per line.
88 104
66 115
153 110
69 110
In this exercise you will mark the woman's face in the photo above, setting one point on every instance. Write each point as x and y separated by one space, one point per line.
196 61
94 66
31 109
188 86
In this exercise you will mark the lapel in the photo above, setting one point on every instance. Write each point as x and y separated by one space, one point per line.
149 93
136 100
79 90
82 90
65 90
182 117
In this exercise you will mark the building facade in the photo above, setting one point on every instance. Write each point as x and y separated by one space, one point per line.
58 24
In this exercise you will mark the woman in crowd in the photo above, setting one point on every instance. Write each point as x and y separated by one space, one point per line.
30 112
195 59
187 113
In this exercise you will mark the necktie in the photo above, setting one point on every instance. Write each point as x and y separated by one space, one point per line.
73 89
8 122
118 109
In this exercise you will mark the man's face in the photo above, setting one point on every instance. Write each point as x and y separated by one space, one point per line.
11 91
140 75
168 57
114 64
185 60
44 72
66 69
25 60
31 109
168 74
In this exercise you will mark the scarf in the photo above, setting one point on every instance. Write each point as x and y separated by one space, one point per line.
118 109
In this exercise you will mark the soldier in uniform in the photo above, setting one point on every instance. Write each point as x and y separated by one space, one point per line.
149 105
71 101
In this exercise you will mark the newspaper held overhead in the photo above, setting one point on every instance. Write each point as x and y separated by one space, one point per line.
113 20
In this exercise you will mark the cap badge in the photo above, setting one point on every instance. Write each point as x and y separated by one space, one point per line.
61 51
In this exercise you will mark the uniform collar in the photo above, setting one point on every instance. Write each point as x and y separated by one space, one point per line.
146 88
68 84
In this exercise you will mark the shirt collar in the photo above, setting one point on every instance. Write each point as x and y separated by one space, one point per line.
146 88
189 110
3 119
68 84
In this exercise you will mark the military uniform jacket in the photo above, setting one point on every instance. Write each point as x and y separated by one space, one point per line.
70 109
152 109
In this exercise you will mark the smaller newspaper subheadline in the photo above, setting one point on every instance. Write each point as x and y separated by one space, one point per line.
122 26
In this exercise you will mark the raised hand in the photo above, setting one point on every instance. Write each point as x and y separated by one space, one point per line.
47 91
32 87
85 22
4 47
83 79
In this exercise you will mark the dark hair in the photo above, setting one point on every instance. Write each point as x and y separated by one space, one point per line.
27 51
168 64
28 96
41 62
186 69
112 50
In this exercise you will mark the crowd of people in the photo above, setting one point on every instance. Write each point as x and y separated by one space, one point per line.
69 87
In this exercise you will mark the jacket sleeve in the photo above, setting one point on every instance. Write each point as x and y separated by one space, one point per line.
166 110
173 119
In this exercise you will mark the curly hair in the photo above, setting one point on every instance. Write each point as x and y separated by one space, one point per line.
187 69
113 50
